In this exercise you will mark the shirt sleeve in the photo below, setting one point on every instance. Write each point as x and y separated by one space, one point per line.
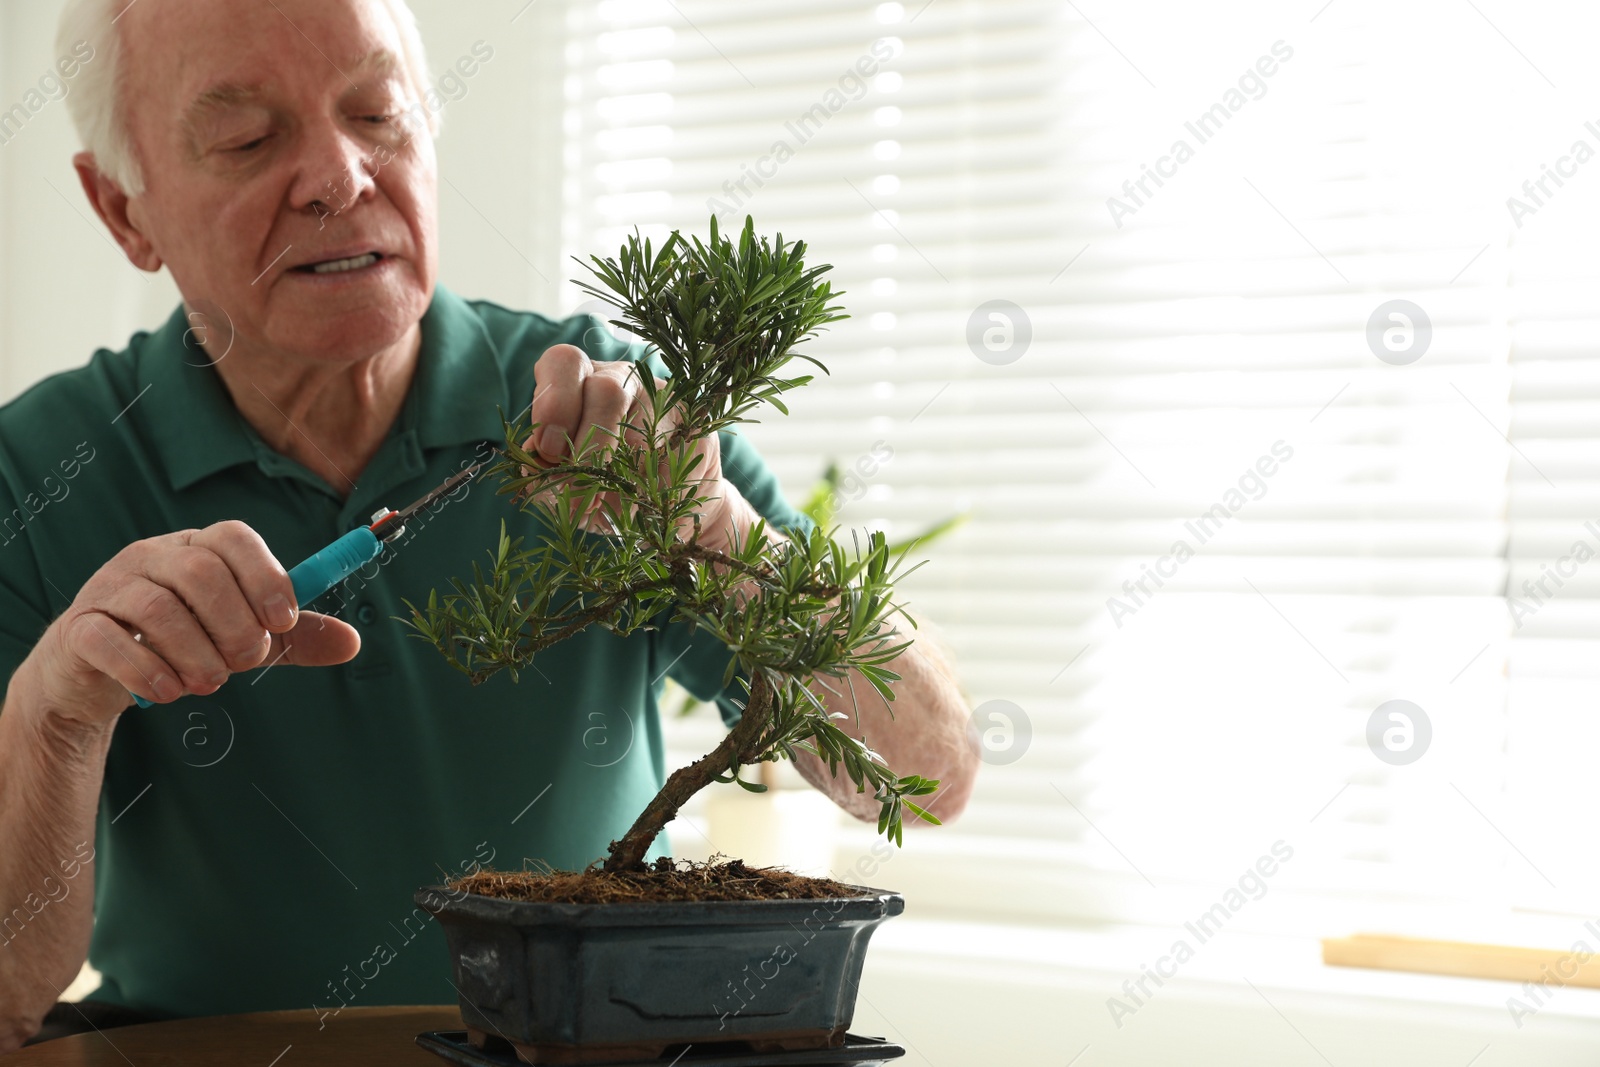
25 610
690 656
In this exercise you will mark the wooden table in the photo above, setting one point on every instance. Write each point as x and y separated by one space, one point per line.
353 1038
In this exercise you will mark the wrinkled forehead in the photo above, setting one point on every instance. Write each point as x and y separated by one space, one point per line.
184 55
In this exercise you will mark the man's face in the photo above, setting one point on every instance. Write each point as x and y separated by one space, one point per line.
275 136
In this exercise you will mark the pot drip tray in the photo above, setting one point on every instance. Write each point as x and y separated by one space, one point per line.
857 1050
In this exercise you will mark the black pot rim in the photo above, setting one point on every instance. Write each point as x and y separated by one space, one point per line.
870 903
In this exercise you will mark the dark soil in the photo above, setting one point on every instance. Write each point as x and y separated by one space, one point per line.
664 880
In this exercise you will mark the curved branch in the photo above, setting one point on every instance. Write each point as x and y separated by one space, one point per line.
742 745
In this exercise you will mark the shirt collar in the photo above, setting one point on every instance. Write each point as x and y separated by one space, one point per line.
187 411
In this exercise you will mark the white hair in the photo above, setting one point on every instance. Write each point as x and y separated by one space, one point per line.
95 98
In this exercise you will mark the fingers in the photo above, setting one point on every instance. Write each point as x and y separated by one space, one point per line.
584 407
579 402
608 400
558 377
257 572
178 614
135 664
193 589
102 643
205 601
315 641
165 605
579 407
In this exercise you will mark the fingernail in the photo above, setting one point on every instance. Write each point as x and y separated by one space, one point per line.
166 688
280 612
550 441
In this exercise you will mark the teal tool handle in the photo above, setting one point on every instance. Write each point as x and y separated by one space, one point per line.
326 569
334 564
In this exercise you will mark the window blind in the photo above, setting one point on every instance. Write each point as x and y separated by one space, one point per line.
1554 505
1122 283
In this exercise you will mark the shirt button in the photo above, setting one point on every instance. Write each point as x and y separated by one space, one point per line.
367 614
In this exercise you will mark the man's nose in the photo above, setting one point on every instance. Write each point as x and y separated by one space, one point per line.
335 169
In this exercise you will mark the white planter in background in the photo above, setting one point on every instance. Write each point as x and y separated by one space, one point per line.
796 829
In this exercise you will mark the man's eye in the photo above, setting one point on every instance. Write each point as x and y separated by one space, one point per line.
250 146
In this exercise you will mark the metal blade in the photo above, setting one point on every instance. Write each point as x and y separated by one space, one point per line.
448 486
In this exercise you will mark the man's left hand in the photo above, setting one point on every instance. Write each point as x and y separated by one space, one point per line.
575 396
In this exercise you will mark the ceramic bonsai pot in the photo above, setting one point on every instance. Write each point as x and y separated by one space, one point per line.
597 983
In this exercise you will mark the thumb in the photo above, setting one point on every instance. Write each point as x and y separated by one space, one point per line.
315 641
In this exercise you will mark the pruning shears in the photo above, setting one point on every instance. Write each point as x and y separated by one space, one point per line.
325 569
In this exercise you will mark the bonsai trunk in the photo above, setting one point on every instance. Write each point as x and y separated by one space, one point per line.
742 745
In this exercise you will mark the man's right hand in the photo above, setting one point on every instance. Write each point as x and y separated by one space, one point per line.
205 604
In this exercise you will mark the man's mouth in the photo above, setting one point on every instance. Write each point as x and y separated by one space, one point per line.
340 266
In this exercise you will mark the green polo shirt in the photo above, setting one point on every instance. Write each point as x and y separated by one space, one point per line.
258 848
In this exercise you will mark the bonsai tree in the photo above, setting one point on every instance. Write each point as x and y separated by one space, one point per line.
725 317
821 506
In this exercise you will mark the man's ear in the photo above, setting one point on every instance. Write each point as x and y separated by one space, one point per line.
111 204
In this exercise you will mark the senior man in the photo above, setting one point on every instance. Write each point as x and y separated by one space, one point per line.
248 849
